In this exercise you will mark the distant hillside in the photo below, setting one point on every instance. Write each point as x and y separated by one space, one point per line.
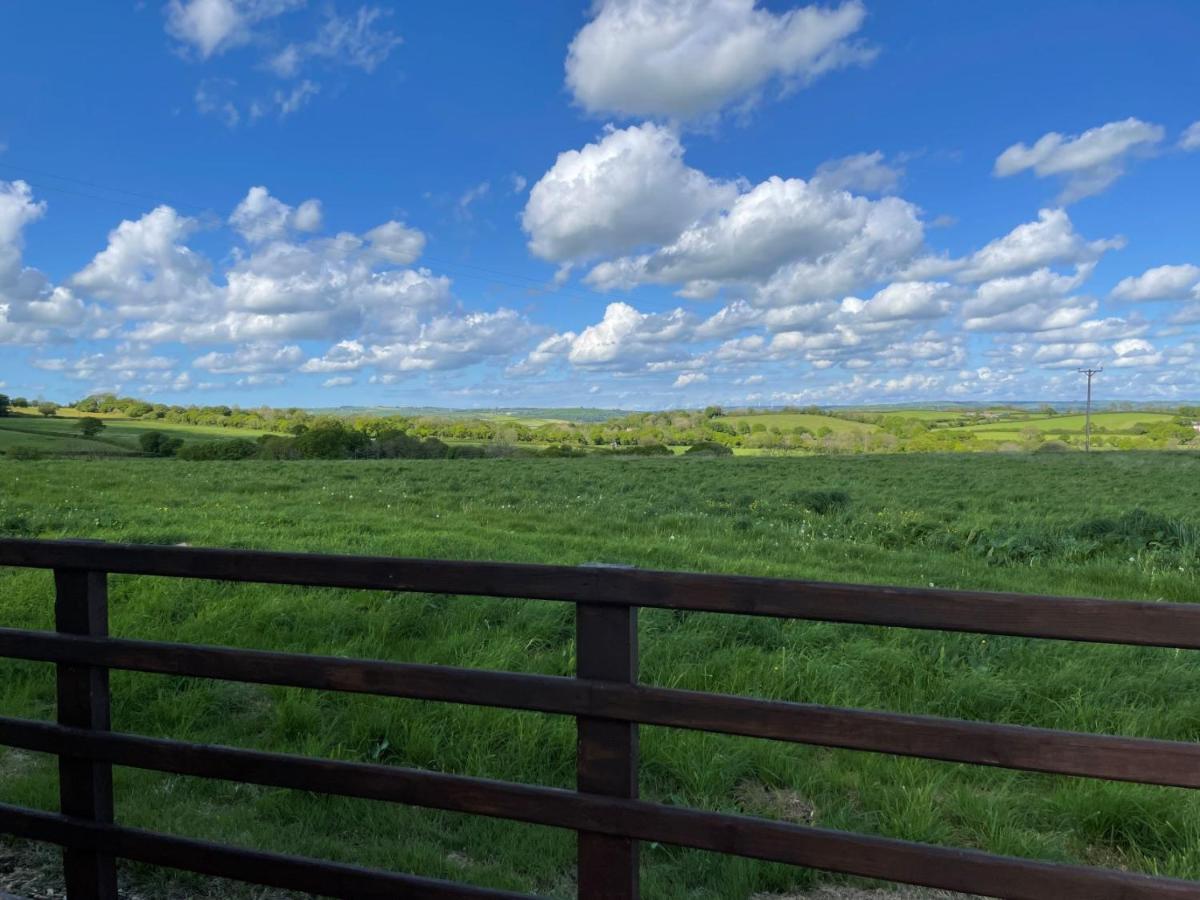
523 413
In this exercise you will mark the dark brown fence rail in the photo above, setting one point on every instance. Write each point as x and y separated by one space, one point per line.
604 697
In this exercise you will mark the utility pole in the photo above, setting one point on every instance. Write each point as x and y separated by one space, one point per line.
1087 422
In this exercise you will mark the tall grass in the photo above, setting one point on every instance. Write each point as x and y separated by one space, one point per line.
1116 525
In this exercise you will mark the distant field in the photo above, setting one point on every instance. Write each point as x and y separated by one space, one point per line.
792 420
60 434
527 421
1113 421
46 441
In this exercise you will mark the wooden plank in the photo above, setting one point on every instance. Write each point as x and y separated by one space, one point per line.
607 749
873 857
85 785
1105 621
1141 760
310 876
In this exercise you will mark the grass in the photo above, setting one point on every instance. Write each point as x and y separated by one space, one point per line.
791 420
1074 424
60 434
1114 525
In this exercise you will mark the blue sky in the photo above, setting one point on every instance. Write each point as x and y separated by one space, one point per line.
634 203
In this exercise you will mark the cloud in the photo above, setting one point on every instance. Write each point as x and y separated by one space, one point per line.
212 99
795 241
32 309
687 59
549 351
469 196
864 172
297 98
625 339
1135 352
902 301
147 270
125 367
1089 162
784 241
338 381
260 217
686 379
356 41
1160 283
445 342
211 27
283 289
1190 139
1031 302
1052 239
628 189
396 243
254 358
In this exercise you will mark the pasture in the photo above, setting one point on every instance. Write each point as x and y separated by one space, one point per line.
1074 424
1118 525
59 434
789 421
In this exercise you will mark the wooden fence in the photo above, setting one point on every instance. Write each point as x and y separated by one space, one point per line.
604 697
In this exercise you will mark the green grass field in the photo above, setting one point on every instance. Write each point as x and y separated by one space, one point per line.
1074 424
813 423
60 435
1119 525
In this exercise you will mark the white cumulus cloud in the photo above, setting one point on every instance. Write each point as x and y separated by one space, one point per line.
1089 162
686 59
628 189
261 217
1160 283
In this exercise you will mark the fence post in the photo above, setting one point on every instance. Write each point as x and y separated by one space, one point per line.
607 757
85 786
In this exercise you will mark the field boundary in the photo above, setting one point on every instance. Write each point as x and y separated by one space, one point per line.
604 697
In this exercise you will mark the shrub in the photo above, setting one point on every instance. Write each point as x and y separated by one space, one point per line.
90 427
708 448
219 450
22 452
652 450
401 445
274 446
473 451
48 409
562 451
1051 447
158 444
330 441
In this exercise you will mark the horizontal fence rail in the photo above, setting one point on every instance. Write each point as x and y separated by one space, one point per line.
605 699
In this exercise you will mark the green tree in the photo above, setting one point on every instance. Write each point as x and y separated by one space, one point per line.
5 403
158 444
48 409
89 426
20 403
